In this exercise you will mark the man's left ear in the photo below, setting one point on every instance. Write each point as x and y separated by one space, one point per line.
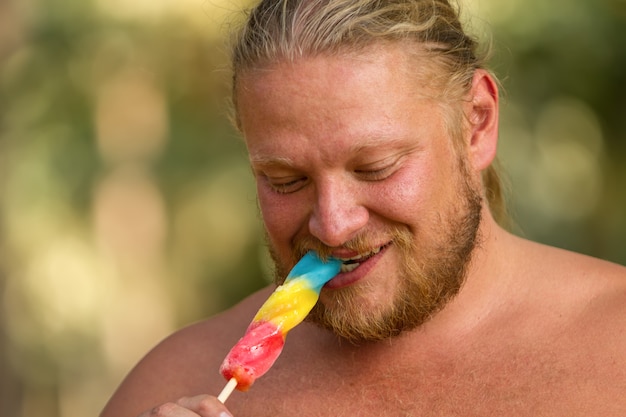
483 117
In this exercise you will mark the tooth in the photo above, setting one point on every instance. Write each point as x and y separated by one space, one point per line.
363 255
348 267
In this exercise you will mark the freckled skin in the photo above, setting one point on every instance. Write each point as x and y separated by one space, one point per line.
352 145
329 139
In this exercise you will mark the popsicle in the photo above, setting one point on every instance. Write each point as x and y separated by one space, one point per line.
286 307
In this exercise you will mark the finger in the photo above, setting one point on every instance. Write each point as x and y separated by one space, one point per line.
205 406
169 409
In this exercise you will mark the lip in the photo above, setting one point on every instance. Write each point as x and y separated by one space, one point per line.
344 279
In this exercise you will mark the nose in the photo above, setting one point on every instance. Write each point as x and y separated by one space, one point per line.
337 215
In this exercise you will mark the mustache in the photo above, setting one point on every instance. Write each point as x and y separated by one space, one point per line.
361 243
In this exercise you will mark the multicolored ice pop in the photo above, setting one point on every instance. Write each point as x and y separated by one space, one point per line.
288 305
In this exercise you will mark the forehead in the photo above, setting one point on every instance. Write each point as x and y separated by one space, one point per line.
403 60
329 104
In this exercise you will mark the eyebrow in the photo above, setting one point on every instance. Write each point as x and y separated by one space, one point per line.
368 143
271 161
377 141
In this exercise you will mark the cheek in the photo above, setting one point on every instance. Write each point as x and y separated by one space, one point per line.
403 205
282 216
415 196
403 199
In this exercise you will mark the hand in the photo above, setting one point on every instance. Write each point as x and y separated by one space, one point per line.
198 406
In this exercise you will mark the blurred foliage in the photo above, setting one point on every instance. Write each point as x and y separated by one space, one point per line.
564 126
126 206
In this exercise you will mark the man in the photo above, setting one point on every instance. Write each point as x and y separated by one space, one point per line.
371 128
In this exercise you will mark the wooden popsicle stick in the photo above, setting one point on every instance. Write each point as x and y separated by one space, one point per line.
228 389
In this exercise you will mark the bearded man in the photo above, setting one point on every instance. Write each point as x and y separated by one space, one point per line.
371 128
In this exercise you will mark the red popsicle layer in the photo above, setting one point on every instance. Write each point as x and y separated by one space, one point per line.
254 354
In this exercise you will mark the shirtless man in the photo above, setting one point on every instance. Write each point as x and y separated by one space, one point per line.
371 128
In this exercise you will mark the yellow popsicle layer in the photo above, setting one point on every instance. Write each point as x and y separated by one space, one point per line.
288 305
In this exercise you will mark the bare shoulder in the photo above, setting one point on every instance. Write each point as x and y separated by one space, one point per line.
580 269
184 364
593 287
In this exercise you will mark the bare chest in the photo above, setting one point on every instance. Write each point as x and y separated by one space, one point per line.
518 384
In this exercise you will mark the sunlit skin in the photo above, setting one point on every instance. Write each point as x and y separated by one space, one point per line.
351 145
342 160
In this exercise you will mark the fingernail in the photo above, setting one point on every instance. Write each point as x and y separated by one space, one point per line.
225 414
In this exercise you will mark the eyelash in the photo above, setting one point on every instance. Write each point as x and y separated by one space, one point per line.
297 184
374 175
288 187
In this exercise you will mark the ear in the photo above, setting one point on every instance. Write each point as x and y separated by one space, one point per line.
483 117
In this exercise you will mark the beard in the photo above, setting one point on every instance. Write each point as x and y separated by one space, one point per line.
430 274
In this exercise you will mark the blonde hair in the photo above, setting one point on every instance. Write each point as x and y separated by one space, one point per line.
286 30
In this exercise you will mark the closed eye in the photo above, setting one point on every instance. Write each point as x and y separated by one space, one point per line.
374 174
380 169
286 185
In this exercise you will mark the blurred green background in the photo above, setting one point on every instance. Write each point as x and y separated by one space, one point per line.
126 205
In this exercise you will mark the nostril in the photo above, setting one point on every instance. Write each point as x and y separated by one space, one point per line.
337 214
335 227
